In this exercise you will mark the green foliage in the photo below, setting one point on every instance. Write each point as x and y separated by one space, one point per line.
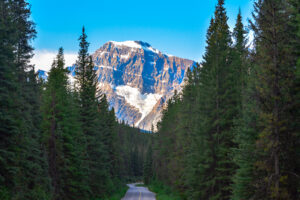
63 135
134 147
162 191
148 173
245 154
22 160
232 132
275 76
120 192
245 133
97 156
197 127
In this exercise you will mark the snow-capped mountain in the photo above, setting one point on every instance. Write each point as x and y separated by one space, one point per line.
137 79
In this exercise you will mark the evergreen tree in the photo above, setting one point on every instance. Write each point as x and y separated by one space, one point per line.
148 173
239 64
294 29
108 130
218 109
33 180
133 146
166 140
63 135
276 73
99 179
9 127
187 142
245 129
22 165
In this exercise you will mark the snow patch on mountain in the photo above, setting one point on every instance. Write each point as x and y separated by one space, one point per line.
102 53
136 45
153 50
169 55
131 44
106 67
125 57
143 102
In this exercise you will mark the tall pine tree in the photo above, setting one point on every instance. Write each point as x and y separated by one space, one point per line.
245 133
276 73
97 156
23 165
63 135
218 108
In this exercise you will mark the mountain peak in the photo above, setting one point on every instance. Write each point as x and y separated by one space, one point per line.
134 44
138 79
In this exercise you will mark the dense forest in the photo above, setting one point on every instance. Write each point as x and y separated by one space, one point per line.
58 140
231 133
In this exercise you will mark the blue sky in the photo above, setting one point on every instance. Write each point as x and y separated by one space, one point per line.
176 27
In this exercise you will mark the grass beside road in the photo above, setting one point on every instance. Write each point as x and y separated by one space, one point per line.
162 191
118 194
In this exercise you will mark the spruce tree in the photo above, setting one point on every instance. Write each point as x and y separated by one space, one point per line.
63 135
148 173
33 182
8 115
97 156
166 140
239 66
294 30
22 166
218 109
276 74
245 129
186 141
110 140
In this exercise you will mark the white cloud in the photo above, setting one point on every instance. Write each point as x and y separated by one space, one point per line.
43 59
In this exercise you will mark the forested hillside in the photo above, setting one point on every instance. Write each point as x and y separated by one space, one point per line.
57 140
233 132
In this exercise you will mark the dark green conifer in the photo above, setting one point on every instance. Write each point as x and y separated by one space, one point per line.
99 179
63 135
23 167
148 173
218 108
276 74
244 131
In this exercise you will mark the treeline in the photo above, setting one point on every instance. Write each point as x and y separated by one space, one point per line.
57 140
134 146
233 132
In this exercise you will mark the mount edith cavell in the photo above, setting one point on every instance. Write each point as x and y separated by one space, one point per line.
137 80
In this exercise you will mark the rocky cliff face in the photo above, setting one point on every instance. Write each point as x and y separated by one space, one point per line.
138 80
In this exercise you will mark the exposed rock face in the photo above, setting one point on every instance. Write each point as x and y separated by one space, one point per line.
138 80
